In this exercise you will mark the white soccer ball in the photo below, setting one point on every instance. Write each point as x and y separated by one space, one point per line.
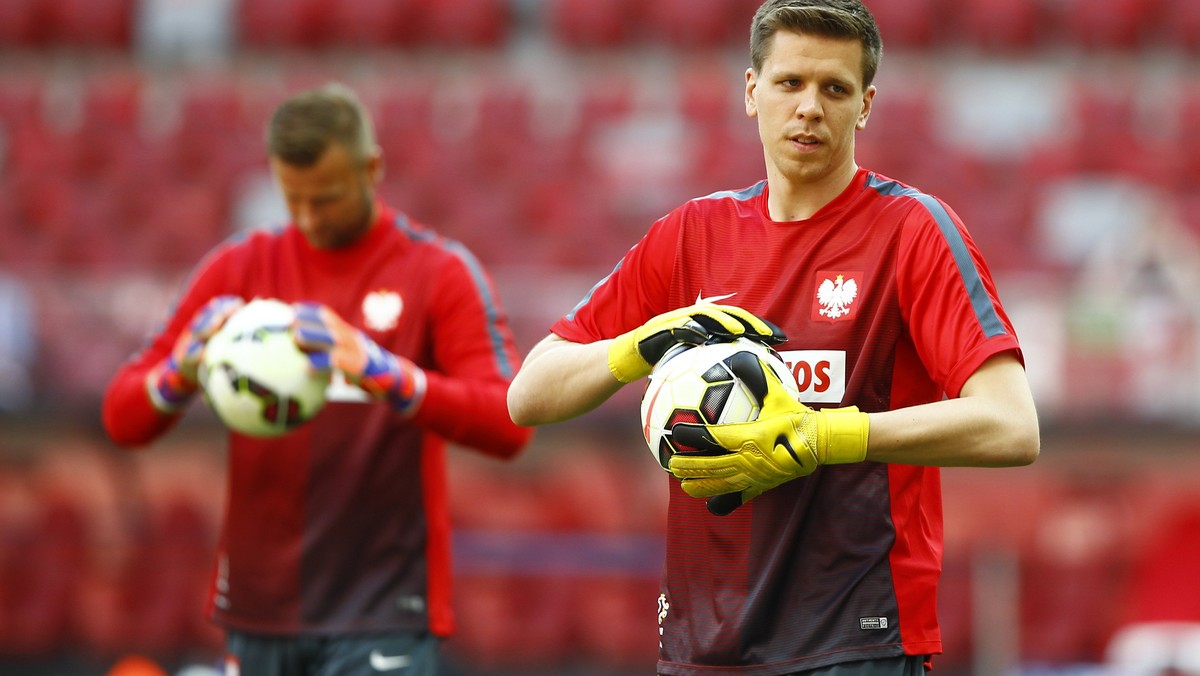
255 378
697 385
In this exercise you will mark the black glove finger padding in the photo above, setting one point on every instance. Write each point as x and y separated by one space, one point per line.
747 368
653 347
721 505
775 337
712 329
691 435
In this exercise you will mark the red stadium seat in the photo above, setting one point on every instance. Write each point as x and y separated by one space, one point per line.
457 24
617 625
278 23
491 638
591 24
40 580
710 94
164 585
23 23
369 23
907 23
1078 555
1001 25
1109 24
696 24
1181 23
22 96
90 23
113 98
1162 586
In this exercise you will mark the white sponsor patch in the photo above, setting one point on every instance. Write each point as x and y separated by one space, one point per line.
820 374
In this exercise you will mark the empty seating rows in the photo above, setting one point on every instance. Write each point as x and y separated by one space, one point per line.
127 171
106 553
1001 25
994 25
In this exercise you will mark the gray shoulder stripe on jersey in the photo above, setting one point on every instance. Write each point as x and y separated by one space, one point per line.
739 195
479 278
588 296
985 310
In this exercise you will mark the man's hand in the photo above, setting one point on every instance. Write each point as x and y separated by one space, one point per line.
633 355
173 381
332 343
737 462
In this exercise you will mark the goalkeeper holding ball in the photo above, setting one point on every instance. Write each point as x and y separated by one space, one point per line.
334 556
815 546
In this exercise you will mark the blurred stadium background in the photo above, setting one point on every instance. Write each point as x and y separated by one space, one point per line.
547 135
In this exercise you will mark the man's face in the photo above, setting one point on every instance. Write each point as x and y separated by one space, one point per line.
809 100
331 202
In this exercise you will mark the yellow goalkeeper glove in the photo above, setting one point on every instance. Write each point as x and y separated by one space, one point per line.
737 462
633 355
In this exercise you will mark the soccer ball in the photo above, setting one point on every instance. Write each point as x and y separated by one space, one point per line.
255 378
697 385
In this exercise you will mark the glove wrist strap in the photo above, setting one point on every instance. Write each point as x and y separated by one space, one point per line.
844 435
169 391
624 361
392 378
408 392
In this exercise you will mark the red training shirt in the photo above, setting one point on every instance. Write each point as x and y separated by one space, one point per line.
342 525
886 303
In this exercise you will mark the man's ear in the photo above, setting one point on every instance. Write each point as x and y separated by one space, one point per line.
751 84
868 100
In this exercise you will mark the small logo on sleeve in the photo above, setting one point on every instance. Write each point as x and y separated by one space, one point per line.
872 623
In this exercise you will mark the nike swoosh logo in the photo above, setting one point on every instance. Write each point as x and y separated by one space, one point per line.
381 662
712 299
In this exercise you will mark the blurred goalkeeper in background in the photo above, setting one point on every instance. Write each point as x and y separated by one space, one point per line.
816 546
334 556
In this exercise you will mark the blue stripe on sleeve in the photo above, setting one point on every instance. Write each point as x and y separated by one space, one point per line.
482 288
985 310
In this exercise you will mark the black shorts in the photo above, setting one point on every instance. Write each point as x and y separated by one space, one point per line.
373 654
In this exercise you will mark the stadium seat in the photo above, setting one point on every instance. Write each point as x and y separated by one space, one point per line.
695 24
1121 25
617 627
112 98
182 219
23 23
22 97
90 23
40 580
490 637
1181 23
369 24
463 24
1162 587
591 24
711 94
272 24
1078 555
908 24
999 25
164 585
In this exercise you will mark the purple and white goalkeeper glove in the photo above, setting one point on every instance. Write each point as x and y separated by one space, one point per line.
331 343
173 381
